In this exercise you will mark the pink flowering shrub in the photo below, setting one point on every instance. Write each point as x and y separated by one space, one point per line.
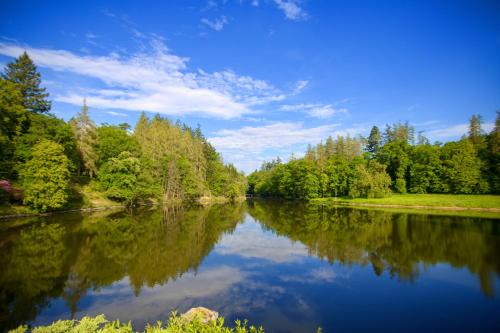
5 186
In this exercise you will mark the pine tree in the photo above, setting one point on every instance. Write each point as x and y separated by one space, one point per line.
374 141
476 133
24 74
86 136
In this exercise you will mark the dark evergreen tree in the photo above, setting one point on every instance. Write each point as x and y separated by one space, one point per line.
476 133
374 141
24 74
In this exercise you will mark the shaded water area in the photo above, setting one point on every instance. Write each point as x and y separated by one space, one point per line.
286 266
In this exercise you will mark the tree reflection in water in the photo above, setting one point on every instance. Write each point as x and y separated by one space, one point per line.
400 243
71 254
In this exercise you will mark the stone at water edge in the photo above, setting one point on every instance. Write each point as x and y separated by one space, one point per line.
204 315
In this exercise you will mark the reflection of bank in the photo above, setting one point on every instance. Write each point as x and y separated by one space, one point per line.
72 254
399 243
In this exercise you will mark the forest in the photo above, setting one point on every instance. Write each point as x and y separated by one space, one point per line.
45 160
386 162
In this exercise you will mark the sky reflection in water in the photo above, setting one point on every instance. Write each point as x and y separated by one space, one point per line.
290 268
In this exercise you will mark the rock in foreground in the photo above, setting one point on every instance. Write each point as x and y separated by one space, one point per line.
204 315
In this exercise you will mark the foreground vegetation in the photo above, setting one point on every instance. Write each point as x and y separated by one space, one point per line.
175 324
427 200
374 167
45 160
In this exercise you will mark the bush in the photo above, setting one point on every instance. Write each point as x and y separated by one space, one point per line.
370 181
45 177
123 178
175 325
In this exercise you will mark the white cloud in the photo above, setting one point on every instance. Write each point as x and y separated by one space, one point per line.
217 24
276 135
320 275
249 146
300 85
292 9
454 131
189 289
316 110
155 81
119 114
249 241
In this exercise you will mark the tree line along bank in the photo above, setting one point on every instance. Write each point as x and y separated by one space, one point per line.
42 156
392 161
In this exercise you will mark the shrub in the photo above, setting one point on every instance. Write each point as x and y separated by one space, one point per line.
45 177
175 325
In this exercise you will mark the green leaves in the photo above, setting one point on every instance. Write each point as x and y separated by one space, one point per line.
120 178
25 75
45 178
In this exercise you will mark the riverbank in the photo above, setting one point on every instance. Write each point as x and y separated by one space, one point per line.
457 202
85 198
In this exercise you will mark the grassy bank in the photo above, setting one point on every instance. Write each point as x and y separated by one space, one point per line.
435 201
82 196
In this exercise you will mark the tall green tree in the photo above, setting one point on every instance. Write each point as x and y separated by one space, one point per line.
494 156
112 140
86 137
370 181
45 177
13 121
13 117
476 133
123 178
374 141
426 170
23 72
463 167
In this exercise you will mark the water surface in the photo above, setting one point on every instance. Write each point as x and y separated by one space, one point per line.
288 267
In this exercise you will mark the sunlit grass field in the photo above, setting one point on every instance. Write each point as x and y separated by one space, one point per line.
430 200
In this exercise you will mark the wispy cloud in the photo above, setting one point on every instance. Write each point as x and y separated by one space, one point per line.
300 86
118 114
276 135
454 131
217 24
248 241
249 146
292 9
155 81
321 111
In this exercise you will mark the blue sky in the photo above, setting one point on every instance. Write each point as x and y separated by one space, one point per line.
265 78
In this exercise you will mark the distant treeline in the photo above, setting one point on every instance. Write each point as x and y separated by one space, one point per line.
386 162
42 156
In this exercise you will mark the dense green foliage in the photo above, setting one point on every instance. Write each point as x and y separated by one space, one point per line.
159 160
372 167
182 163
121 178
23 73
175 324
45 177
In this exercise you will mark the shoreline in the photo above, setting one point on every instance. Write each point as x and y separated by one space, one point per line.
445 208
203 201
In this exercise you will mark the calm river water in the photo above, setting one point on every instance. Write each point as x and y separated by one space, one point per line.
286 266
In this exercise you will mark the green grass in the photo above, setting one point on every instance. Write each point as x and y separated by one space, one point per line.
426 200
